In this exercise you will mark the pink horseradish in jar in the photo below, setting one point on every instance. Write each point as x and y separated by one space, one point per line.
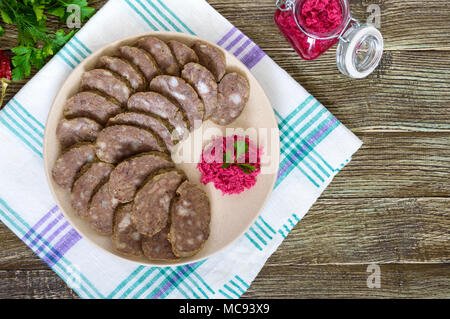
313 26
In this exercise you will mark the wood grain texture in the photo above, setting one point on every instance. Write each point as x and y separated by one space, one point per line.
350 281
396 165
389 205
405 25
335 231
33 284
410 90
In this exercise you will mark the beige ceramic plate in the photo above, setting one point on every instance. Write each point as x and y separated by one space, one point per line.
231 215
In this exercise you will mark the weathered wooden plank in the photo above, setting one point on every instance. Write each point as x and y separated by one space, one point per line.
404 24
343 231
298 281
33 284
350 281
255 18
396 165
335 231
410 90
14 254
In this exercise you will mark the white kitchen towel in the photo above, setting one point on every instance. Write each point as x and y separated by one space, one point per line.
314 148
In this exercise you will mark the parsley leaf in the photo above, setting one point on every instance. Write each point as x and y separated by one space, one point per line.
35 43
241 148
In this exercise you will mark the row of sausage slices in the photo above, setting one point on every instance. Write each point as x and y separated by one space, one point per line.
130 89
117 135
144 203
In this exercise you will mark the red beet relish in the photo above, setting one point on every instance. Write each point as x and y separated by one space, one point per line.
318 17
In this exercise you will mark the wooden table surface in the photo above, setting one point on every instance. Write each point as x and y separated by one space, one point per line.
389 206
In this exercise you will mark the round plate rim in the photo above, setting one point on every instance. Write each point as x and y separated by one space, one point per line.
47 169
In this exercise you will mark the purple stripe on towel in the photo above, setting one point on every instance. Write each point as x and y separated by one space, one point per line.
55 233
171 282
316 136
227 36
310 142
242 47
40 222
234 42
61 247
47 228
253 57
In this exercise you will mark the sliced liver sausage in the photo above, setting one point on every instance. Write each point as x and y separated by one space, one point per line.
161 53
177 89
152 123
92 105
125 237
158 246
80 129
70 163
125 69
108 83
182 52
129 175
101 210
85 185
155 103
142 59
212 58
190 217
203 81
117 142
150 213
234 92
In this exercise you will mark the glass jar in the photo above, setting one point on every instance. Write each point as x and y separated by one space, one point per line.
313 26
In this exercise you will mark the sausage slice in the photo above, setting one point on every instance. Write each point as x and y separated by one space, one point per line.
150 212
101 210
212 58
204 83
125 237
190 218
142 59
92 105
129 175
158 246
177 89
70 163
85 185
234 92
145 121
155 103
182 52
80 129
117 142
125 69
108 83
161 53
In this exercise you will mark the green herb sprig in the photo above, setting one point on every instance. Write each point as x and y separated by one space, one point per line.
241 148
35 43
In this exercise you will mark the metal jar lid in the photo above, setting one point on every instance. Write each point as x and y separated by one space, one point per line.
359 50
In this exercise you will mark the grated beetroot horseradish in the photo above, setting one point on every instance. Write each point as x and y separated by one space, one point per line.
230 178
318 17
